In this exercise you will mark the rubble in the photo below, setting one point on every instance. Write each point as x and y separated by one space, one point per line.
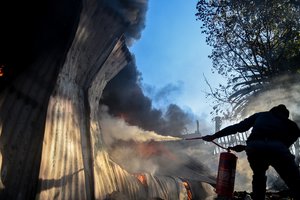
270 195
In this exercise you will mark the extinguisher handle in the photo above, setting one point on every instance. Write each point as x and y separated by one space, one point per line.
238 148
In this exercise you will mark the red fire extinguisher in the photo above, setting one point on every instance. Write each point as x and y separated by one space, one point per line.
226 170
226 174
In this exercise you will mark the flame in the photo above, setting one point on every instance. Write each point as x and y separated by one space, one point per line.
188 190
1 70
153 148
124 116
142 178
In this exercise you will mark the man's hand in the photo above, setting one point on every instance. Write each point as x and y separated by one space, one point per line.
208 138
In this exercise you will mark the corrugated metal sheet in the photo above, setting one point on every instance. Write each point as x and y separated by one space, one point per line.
51 140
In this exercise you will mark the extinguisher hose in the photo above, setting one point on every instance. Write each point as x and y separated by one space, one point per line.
236 148
228 148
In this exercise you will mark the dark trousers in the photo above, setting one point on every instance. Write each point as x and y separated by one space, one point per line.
264 153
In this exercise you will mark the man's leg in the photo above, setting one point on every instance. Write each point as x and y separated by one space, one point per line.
259 185
286 167
258 161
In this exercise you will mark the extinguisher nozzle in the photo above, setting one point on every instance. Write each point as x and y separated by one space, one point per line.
195 138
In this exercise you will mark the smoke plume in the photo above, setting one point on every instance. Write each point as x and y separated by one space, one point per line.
164 95
134 12
124 97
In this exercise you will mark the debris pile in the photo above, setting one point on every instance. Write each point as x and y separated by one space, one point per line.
270 195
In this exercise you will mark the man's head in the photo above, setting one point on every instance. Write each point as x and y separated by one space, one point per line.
280 110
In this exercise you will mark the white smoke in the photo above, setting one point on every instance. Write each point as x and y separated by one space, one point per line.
117 129
283 92
244 174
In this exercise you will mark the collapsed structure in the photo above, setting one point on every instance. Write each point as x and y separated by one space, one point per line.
51 140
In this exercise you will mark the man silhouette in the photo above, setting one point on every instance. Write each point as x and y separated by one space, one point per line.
268 145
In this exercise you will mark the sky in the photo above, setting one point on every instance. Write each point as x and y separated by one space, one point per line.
172 57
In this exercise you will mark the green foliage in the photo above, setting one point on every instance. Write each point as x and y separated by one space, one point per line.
254 41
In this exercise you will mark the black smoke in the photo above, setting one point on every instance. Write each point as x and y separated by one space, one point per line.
125 98
132 11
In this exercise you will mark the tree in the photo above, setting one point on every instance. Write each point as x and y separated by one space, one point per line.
253 42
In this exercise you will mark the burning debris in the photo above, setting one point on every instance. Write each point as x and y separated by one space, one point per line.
142 178
188 189
1 70
168 158
163 158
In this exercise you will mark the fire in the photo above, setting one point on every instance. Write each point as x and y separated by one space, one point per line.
1 70
153 148
188 190
142 178
124 116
